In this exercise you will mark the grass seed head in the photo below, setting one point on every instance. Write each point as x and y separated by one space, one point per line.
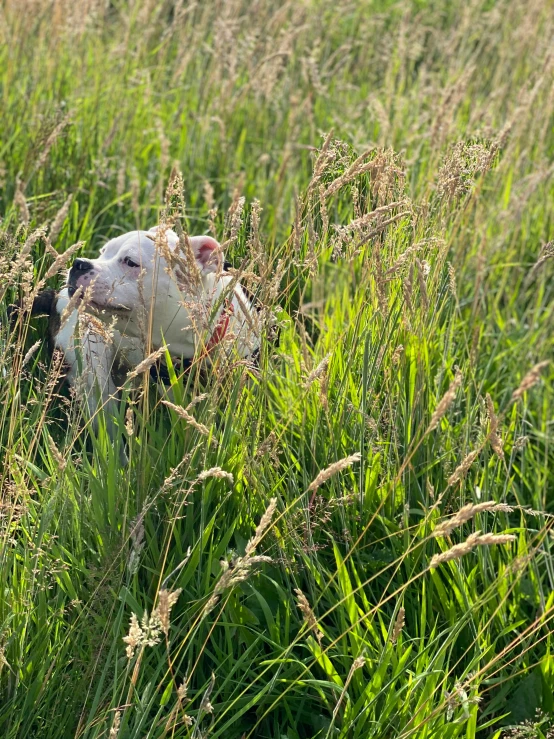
473 540
166 601
186 416
309 617
217 472
445 402
146 363
530 380
332 470
463 467
398 624
468 512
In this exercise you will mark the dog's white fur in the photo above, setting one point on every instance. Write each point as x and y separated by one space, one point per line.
147 309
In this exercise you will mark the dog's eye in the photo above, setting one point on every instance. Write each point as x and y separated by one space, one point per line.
129 262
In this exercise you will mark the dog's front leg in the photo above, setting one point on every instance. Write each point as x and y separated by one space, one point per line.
89 355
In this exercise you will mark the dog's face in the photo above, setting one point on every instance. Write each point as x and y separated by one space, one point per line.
132 280
131 269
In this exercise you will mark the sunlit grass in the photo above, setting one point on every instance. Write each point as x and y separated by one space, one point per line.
382 176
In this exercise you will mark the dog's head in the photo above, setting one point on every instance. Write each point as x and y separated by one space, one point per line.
137 280
131 268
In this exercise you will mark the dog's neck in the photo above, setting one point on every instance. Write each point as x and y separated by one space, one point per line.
195 325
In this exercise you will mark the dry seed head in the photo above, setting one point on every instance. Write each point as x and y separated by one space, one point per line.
398 624
209 195
129 421
59 219
309 617
520 443
30 353
50 141
61 260
420 272
446 401
114 731
546 253
316 373
234 218
35 236
360 225
216 472
243 565
20 201
182 413
133 637
332 470
205 704
395 359
197 399
145 365
463 467
488 540
473 540
58 457
174 197
166 601
464 163
494 422
254 246
466 513
358 167
530 379
324 390
186 268
264 524
321 162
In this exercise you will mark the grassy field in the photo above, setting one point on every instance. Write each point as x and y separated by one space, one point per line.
354 539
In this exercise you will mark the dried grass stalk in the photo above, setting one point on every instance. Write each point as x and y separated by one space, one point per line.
332 470
31 352
445 402
59 219
316 373
265 521
463 467
494 423
530 379
398 624
309 617
61 261
474 540
467 513
145 365
166 601
216 472
182 413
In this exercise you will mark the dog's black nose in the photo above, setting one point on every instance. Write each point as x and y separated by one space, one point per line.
82 265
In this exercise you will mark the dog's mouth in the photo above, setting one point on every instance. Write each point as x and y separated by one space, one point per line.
109 308
99 307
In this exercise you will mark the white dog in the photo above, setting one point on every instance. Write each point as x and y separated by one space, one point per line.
143 288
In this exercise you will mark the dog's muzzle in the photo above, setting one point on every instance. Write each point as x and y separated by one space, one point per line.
80 274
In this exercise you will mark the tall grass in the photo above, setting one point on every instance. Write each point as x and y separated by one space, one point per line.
354 538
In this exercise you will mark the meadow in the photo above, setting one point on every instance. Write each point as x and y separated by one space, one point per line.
353 538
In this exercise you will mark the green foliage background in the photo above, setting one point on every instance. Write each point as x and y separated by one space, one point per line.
427 258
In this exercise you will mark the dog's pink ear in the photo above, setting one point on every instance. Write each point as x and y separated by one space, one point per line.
207 252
